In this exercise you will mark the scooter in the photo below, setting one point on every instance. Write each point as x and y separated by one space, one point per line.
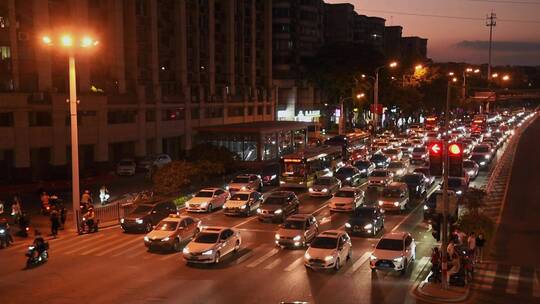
4 238
24 224
84 227
34 259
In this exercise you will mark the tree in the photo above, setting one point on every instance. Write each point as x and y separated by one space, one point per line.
173 177
213 154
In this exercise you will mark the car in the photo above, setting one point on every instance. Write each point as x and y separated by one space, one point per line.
457 184
269 173
393 153
481 154
347 199
380 176
278 205
126 167
398 168
243 203
372 194
394 251
395 196
430 206
432 136
367 220
471 168
329 250
365 167
416 182
145 216
419 155
430 179
493 142
207 199
244 182
406 148
212 244
380 160
157 161
325 186
348 175
171 232
297 231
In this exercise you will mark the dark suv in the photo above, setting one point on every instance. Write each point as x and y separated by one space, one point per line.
278 205
145 216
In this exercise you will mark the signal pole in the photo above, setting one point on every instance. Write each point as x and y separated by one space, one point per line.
491 21
444 228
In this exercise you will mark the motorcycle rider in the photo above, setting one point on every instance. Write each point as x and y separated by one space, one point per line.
39 243
104 194
45 201
90 218
86 200
4 225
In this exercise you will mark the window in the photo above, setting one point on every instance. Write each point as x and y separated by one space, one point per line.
195 113
40 119
4 22
5 52
6 119
408 241
173 114
150 115
121 117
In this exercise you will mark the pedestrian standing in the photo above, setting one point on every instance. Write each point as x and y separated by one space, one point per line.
451 248
480 242
1 207
55 222
16 210
436 264
471 244
63 214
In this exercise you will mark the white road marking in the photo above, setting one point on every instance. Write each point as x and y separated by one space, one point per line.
88 245
76 242
358 263
513 280
263 258
249 254
123 244
405 218
245 222
295 264
419 267
273 264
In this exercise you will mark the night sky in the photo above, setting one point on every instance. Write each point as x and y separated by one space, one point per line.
462 34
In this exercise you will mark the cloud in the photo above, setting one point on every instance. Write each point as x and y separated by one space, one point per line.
505 46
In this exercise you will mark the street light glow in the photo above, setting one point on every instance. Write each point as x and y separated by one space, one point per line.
495 75
451 74
469 70
454 79
363 75
477 71
360 95
46 40
506 77
418 67
87 41
67 40
393 64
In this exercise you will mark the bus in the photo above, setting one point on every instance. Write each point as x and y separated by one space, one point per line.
431 123
479 123
351 144
300 169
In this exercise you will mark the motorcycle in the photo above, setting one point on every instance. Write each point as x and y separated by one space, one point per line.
84 227
24 224
35 259
45 208
4 238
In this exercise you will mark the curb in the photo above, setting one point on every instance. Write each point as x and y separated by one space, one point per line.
416 291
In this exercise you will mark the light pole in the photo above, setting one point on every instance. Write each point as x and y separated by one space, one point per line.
444 245
464 86
342 100
392 64
67 42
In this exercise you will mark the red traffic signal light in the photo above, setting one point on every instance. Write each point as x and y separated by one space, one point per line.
455 149
435 148
435 158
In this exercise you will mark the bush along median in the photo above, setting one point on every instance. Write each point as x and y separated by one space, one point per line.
472 219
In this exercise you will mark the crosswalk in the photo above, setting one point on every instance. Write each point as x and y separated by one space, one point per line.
252 256
507 280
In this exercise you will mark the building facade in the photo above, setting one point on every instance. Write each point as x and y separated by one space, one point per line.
162 69
392 41
414 49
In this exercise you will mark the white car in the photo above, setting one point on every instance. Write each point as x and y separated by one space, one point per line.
347 199
380 177
207 199
329 250
393 153
395 196
397 168
126 167
394 251
420 154
245 182
158 161
325 186
243 203
211 244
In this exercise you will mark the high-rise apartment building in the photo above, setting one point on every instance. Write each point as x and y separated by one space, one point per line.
162 69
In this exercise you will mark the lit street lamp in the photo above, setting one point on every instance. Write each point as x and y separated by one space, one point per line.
464 85
392 64
68 42
342 100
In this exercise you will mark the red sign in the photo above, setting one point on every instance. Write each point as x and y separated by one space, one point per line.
379 108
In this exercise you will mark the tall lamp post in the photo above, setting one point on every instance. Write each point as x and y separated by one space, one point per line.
71 44
464 86
342 100
392 64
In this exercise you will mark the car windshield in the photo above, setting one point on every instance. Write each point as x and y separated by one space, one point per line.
345 194
166 226
378 158
422 170
324 243
206 237
274 201
126 163
395 166
363 212
454 183
323 182
362 164
391 151
412 178
290 224
481 149
142 209
204 194
389 244
239 197
241 180
392 192
379 173
345 171
419 150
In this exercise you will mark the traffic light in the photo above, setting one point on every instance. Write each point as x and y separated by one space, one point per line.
435 158
455 159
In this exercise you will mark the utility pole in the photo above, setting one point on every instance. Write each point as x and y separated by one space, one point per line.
444 228
491 22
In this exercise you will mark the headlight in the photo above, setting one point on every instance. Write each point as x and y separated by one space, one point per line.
2 231
310 189
146 239
471 172
426 207
307 256
277 236
368 226
226 187
398 260
204 204
244 188
139 221
243 207
487 156
208 252
297 238
396 204
324 190
279 211
363 171
186 250
328 258
381 203
121 221
165 239
372 257
347 225
348 178
482 163
459 192
417 188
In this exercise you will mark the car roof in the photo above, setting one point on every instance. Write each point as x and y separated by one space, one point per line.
396 185
331 233
210 189
215 229
280 193
299 217
244 192
177 218
348 188
396 235
246 175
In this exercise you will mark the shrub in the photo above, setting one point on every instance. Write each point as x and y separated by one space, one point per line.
477 223
213 154
181 201
204 169
172 177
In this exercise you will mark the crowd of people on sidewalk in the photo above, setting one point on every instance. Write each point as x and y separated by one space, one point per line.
463 252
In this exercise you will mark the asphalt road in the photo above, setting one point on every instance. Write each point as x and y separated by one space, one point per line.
112 266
